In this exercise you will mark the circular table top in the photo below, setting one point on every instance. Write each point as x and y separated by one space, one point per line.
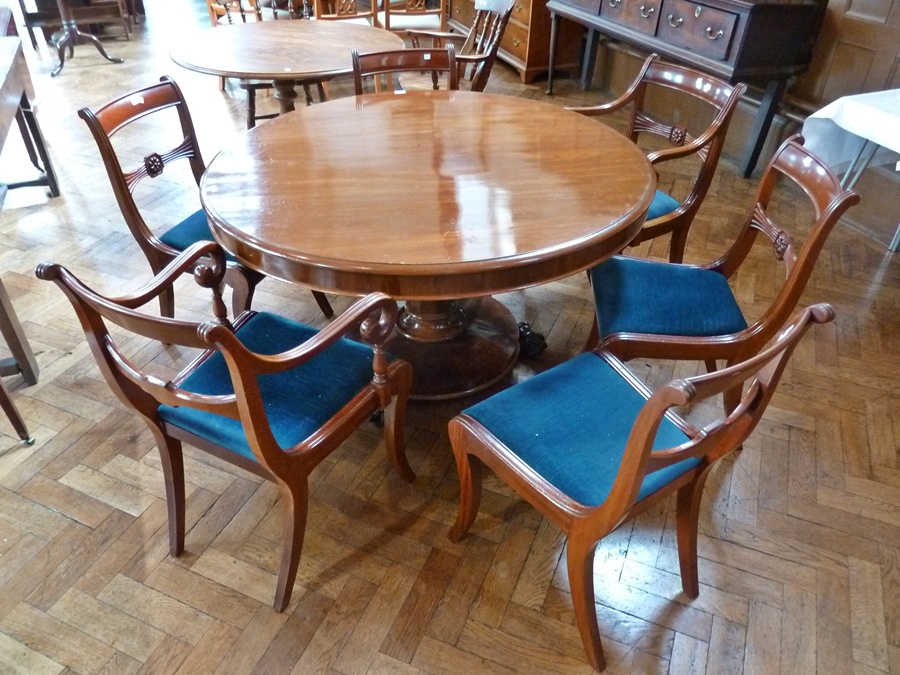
281 50
427 195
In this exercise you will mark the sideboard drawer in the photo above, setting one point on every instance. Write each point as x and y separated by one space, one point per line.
463 11
515 40
702 29
640 15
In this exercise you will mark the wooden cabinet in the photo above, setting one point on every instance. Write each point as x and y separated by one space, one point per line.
759 42
526 42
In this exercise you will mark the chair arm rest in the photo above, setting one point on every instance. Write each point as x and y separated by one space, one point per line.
359 316
438 35
603 109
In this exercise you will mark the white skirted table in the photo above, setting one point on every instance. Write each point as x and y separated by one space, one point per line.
855 132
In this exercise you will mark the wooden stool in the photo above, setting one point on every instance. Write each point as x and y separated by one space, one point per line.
21 361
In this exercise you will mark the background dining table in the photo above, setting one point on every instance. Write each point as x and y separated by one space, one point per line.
286 52
437 198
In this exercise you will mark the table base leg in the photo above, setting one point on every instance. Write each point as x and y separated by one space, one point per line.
473 360
71 36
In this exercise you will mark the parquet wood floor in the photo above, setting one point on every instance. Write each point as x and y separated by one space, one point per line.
800 533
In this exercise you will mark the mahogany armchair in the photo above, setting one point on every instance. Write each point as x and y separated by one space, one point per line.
267 394
477 50
590 447
403 15
374 65
673 311
345 10
160 250
669 215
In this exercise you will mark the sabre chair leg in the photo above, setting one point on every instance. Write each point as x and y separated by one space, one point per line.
296 507
469 469
172 458
579 561
394 423
687 517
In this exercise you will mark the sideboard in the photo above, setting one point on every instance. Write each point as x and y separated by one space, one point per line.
759 42
525 44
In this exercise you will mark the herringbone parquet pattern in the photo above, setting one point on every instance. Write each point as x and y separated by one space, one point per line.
800 543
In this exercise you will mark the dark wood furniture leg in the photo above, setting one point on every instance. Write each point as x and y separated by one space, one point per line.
14 416
37 150
760 130
554 34
22 359
591 41
70 36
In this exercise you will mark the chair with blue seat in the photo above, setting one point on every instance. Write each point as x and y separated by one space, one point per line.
650 309
160 250
267 394
654 86
590 447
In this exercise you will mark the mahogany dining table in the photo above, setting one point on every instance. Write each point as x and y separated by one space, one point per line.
287 52
438 198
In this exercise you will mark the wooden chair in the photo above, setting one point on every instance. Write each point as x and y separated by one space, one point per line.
269 395
667 214
345 10
403 15
666 310
374 65
111 118
477 50
590 447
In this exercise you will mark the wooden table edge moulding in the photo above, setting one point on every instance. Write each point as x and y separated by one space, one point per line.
288 52
437 198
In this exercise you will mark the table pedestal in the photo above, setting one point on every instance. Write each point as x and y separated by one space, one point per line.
70 36
456 347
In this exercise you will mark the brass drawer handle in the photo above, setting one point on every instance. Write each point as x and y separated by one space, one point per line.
614 3
675 23
519 7
646 13
516 42
711 35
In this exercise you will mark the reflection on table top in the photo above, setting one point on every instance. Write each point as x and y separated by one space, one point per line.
427 195
272 50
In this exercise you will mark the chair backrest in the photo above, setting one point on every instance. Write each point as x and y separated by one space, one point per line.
829 201
759 376
401 15
377 64
233 11
345 10
477 55
145 392
113 117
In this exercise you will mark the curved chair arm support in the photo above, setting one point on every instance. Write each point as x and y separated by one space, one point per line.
359 313
630 94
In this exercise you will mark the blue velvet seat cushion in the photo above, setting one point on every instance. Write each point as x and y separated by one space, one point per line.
189 231
297 401
661 205
570 424
643 296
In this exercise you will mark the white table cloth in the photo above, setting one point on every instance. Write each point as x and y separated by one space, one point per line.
855 132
